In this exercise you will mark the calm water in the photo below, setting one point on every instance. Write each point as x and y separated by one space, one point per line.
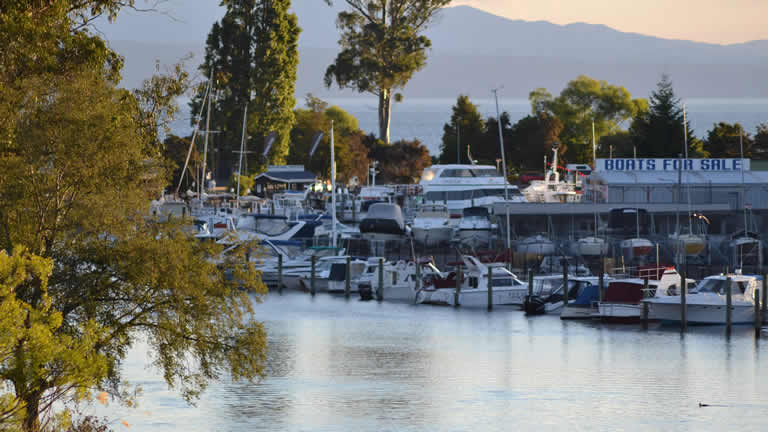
352 366
424 118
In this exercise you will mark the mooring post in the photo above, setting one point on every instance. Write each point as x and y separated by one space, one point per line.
417 281
354 209
312 276
565 283
683 305
272 208
380 289
601 282
728 305
457 292
348 277
280 274
490 288
530 284
644 318
764 303
758 321
645 288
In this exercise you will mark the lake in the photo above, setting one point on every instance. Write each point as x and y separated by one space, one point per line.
337 365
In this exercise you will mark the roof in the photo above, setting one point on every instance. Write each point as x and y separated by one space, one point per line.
688 177
287 174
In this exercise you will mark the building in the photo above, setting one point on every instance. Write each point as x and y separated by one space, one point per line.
280 178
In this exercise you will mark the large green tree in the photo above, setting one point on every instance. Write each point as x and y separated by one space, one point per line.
723 141
466 128
660 131
252 57
583 101
531 139
382 46
84 272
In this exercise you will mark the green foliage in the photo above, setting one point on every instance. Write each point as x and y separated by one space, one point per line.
760 142
530 139
253 55
246 184
382 46
583 101
401 162
466 119
723 141
616 145
351 155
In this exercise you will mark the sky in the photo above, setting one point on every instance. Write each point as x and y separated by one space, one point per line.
713 21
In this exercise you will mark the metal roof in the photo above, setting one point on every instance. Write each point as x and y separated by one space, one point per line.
287 176
688 177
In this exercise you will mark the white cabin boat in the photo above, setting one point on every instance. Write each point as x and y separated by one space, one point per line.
432 225
475 228
551 189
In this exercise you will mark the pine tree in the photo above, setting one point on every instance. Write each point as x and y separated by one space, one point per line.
467 122
252 55
659 132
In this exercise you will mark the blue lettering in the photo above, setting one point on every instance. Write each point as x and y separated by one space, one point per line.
705 164
620 165
737 164
651 164
666 164
688 165
630 164
609 166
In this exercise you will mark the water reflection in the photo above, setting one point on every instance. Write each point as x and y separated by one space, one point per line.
348 365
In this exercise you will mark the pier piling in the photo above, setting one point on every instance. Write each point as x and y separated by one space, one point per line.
348 277
683 304
380 289
644 316
764 303
490 288
728 305
601 281
530 284
312 289
565 283
758 321
457 292
280 274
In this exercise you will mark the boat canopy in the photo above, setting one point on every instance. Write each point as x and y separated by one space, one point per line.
475 211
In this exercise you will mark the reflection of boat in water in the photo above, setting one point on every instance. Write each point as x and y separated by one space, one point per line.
383 221
475 228
432 226
706 304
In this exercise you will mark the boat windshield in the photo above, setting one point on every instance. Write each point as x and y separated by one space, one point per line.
719 286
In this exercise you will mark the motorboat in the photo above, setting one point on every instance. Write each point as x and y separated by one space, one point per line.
706 304
535 246
297 260
554 265
636 247
475 228
583 293
623 297
552 189
400 281
690 244
432 225
330 274
590 246
383 221
507 288
462 186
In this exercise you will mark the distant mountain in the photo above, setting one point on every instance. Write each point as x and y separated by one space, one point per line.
474 51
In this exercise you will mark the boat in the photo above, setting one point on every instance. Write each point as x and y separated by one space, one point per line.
623 297
401 281
475 228
583 292
432 225
330 274
383 221
706 304
553 264
297 260
462 186
473 292
535 245
590 246
636 247
552 189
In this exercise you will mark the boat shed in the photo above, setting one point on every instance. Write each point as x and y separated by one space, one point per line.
632 188
284 177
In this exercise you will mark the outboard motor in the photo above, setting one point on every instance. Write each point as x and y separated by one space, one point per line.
366 292
534 305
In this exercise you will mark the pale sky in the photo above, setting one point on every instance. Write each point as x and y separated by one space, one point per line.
714 21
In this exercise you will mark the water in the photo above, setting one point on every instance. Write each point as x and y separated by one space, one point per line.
424 118
336 365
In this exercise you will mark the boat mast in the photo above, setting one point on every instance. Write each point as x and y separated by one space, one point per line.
687 186
743 196
242 150
503 166
205 147
333 191
194 135
594 165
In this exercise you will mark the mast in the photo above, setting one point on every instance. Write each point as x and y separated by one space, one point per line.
242 150
503 165
594 162
458 143
194 135
687 186
743 187
205 148
333 192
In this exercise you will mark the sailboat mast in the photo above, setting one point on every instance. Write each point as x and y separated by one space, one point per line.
333 192
192 144
504 166
743 188
242 150
205 147
687 186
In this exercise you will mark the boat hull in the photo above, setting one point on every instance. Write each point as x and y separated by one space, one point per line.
474 237
702 314
432 236
472 298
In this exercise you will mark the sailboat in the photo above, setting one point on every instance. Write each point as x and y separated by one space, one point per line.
690 243
592 245
745 242
636 247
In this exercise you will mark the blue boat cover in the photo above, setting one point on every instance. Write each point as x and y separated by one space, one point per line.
590 293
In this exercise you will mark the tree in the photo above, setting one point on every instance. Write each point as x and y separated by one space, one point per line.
660 132
382 46
583 101
760 142
466 119
252 57
90 271
723 141
402 162
616 145
531 139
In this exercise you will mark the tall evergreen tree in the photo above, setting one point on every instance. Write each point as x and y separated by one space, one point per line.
467 121
723 141
760 144
659 132
253 56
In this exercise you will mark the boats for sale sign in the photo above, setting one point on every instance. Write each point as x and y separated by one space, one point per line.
631 164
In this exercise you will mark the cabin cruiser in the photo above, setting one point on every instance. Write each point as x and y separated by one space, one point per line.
252 226
551 189
590 246
330 274
623 297
507 288
583 293
462 186
296 261
400 281
475 228
432 225
535 245
706 304
383 222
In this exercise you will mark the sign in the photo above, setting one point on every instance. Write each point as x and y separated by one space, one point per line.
672 164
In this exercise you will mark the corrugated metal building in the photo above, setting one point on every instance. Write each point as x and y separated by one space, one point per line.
630 188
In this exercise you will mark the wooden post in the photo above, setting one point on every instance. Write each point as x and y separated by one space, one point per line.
272 207
565 283
258 208
354 209
348 277
280 274
601 281
490 288
645 287
644 317
683 304
380 289
417 281
457 292
530 283
764 303
728 305
758 321
312 276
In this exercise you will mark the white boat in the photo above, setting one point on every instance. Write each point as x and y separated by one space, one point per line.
463 186
624 297
475 228
330 274
590 246
551 189
536 245
706 304
296 261
583 293
636 247
383 221
432 225
399 280
553 264
507 288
